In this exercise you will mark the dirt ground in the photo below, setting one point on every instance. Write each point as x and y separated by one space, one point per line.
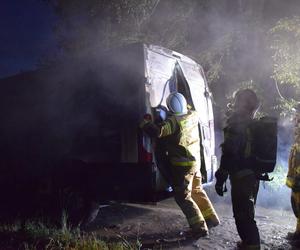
160 226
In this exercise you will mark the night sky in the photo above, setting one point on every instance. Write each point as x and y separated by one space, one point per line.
26 34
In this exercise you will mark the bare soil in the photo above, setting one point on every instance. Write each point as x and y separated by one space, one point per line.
160 226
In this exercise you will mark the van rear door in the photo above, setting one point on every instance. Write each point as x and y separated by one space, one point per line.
203 105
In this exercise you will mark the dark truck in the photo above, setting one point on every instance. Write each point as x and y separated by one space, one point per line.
76 124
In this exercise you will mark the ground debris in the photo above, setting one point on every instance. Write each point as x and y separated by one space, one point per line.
164 226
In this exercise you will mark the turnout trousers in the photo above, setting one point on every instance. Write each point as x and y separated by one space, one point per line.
295 201
191 198
244 191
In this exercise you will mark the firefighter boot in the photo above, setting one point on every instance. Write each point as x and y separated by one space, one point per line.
242 246
294 236
199 230
212 223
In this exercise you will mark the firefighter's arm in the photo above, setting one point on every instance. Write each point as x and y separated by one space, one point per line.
233 140
289 179
168 127
221 177
293 167
150 128
233 137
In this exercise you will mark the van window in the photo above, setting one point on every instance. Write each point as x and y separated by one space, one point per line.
197 89
182 86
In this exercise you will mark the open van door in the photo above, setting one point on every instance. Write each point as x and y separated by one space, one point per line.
168 71
202 103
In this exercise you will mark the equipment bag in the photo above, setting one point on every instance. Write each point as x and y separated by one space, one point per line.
263 141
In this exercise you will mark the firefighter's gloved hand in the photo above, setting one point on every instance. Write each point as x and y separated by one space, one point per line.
220 189
264 177
143 123
151 129
221 176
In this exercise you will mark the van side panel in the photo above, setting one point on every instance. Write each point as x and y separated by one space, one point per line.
83 113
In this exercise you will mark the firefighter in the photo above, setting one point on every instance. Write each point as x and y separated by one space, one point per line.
293 177
235 164
181 134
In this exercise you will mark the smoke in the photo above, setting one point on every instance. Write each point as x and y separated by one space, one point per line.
275 193
229 38
74 109
83 99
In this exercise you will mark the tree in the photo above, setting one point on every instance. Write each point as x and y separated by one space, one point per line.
285 44
93 24
228 38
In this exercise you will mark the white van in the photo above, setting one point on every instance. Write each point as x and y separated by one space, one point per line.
88 111
168 71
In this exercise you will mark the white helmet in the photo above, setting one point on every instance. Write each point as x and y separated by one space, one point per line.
176 103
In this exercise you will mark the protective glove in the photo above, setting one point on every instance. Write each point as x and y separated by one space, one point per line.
219 188
144 123
264 177
150 128
221 177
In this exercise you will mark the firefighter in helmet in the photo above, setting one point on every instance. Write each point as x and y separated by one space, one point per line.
234 163
293 176
181 135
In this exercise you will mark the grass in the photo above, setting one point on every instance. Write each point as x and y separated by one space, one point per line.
36 235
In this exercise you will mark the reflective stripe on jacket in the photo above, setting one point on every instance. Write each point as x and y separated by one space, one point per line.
182 138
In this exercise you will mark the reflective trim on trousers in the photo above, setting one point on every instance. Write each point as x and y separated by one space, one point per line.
195 220
207 213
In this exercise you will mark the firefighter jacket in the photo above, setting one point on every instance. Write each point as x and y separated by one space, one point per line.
236 147
293 176
181 137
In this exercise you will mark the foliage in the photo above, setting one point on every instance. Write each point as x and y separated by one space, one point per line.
285 43
212 58
286 107
40 235
90 24
229 39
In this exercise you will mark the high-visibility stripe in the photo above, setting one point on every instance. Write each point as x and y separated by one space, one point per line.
207 213
166 130
195 220
182 163
169 127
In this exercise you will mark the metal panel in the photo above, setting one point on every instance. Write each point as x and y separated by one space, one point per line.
159 70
